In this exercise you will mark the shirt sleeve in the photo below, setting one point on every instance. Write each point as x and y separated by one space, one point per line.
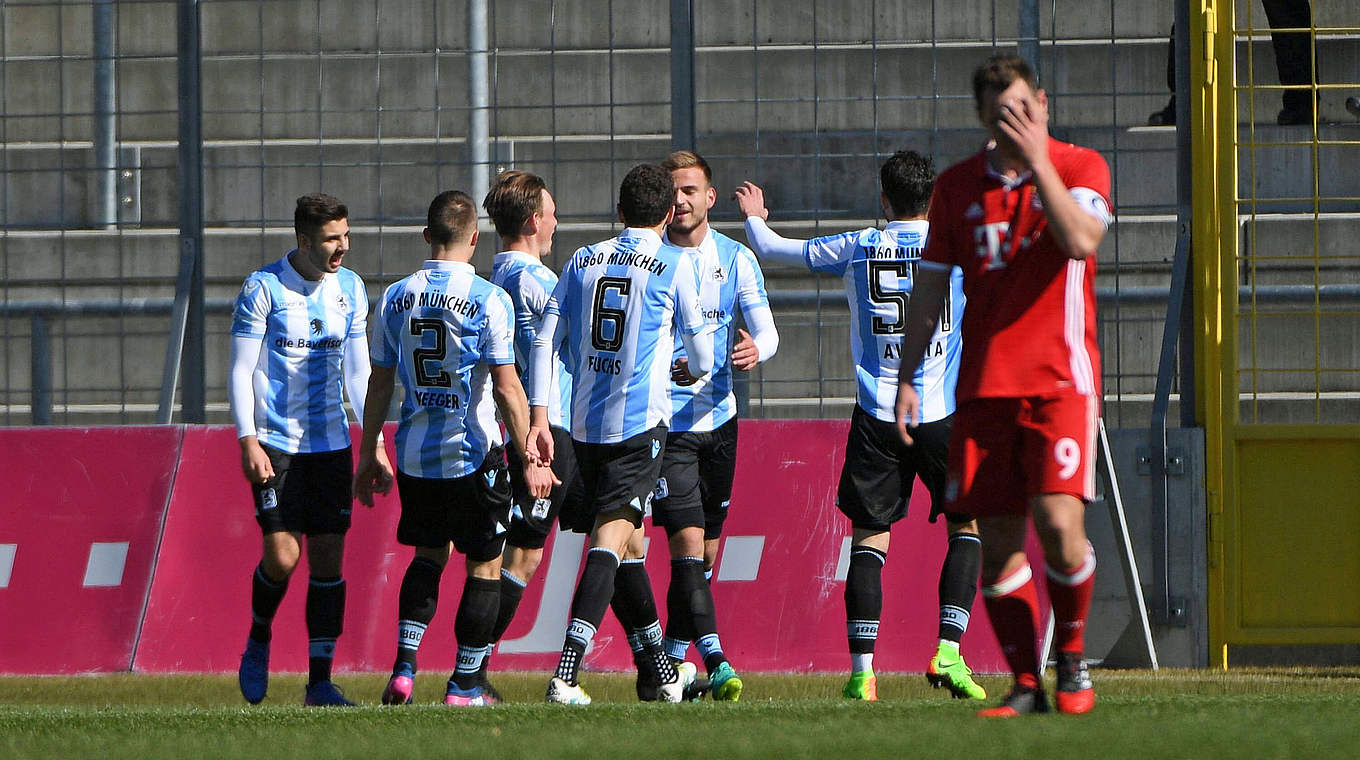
755 305
830 254
498 340
355 369
251 313
383 350
1088 180
940 251
770 245
358 322
245 355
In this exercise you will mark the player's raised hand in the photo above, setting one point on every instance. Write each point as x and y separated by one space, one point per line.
908 410
538 446
751 200
372 475
745 355
1024 121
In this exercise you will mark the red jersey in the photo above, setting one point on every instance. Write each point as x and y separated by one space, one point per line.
1029 327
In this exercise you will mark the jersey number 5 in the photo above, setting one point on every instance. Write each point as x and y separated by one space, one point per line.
436 354
606 324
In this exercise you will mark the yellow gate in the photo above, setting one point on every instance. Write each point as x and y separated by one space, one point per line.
1277 284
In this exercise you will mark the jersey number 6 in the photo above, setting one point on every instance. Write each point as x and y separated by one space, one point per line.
608 339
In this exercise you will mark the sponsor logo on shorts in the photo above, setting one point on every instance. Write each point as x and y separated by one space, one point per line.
490 476
656 448
268 499
540 510
725 504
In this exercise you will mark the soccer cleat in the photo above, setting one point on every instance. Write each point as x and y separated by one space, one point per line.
457 697
954 676
325 694
727 684
400 687
1021 700
646 688
674 691
1075 694
862 685
253 676
489 692
563 693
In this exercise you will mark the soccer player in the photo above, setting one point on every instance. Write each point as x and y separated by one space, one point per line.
879 268
1023 218
700 459
449 334
299 336
613 319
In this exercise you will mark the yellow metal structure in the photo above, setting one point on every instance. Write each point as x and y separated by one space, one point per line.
1283 499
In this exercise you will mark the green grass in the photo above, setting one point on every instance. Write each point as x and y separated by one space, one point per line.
1305 713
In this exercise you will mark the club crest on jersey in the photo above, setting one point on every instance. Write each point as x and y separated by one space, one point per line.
342 302
974 212
656 448
316 326
719 274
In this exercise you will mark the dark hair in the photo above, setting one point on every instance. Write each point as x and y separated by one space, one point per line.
907 178
999 72
515 196
452 217
314 210
646 196
684 159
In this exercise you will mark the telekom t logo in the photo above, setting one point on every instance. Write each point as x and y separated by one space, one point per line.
989 241
738 560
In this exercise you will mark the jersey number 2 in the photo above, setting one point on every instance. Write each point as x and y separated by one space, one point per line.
606 324
436 354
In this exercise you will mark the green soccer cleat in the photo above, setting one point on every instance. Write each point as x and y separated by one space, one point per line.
862 685
947 669
727 684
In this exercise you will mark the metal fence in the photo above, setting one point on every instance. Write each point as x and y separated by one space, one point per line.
386 102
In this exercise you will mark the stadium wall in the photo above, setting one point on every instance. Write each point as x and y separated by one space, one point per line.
133 547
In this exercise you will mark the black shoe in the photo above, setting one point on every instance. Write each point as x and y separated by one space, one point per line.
1294 117
696 690
1165 117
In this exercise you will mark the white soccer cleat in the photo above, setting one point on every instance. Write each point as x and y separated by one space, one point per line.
562 693
685 673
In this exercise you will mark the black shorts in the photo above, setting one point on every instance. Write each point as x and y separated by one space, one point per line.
531 519
471 511
620 475
695 486
880 471
310 493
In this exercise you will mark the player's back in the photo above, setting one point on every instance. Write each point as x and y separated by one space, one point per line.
878 269
442 327
529 283
619 302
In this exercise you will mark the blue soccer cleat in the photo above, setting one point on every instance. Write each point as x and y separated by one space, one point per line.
325 694
253 675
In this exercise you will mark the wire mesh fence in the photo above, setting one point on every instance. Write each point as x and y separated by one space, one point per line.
384 103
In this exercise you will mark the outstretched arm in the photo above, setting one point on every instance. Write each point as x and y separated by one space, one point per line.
767 243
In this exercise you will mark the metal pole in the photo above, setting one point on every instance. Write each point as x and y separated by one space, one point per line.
1184 192
190 293
105 126
41 371
479 132
1028 33
684 134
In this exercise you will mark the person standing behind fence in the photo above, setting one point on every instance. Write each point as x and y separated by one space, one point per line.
700 460
450 335
1022 218
299 336
879 268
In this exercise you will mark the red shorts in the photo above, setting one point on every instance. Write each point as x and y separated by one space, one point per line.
1002 451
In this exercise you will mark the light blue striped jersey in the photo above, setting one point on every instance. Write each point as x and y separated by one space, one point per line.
878 268
729 277
304 326
442 327
530 282
621 302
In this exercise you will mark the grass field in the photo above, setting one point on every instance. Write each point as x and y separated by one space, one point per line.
1278 713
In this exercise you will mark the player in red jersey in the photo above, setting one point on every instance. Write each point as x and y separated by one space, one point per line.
1023 219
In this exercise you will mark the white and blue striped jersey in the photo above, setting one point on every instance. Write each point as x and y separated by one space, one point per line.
729 278
878 268
303 326
530 282
620 303
442 327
